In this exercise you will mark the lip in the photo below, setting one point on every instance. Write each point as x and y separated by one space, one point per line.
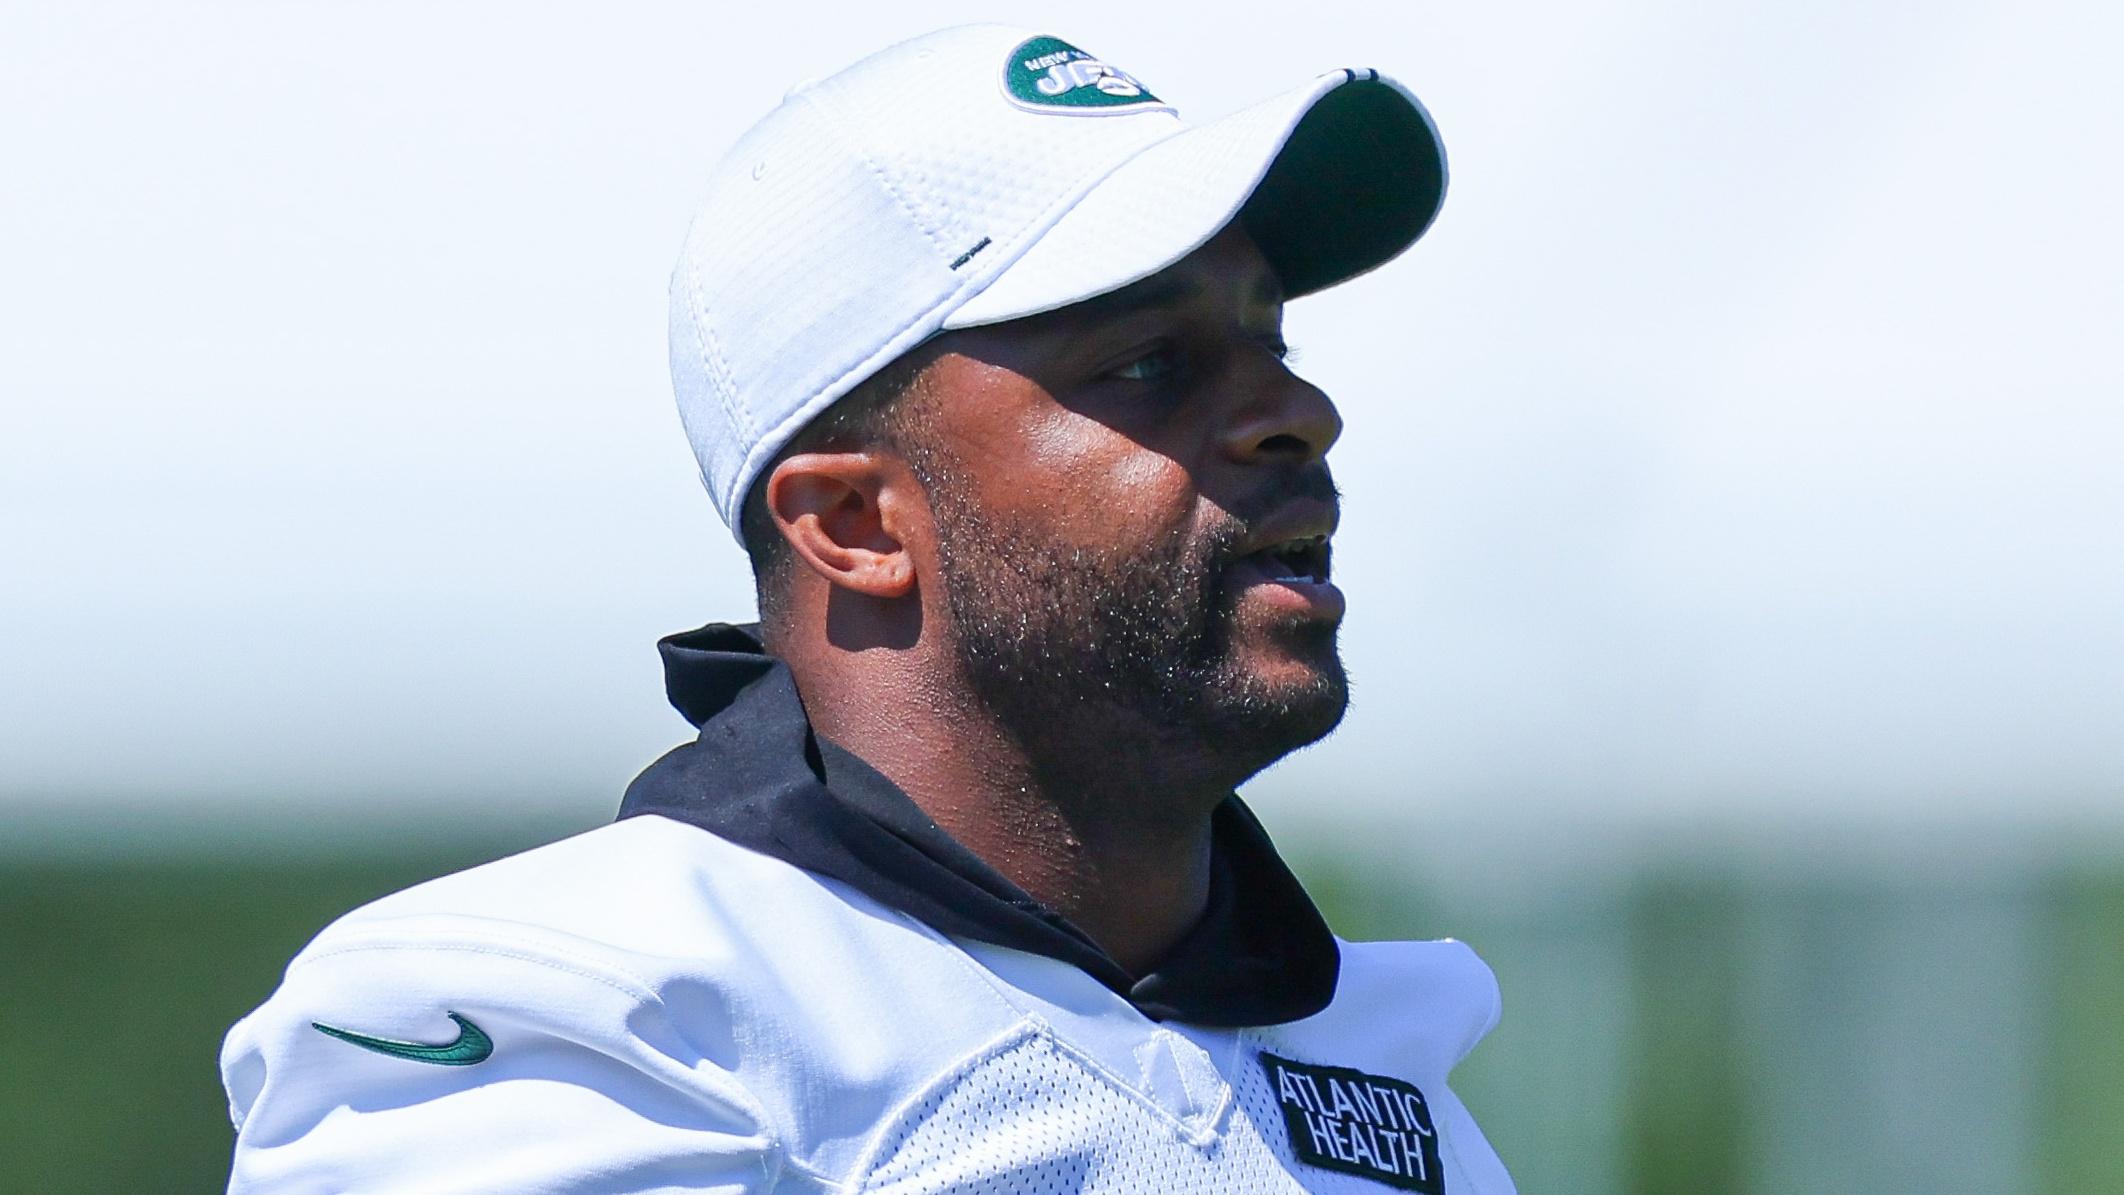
1251 583
1260 575
1298 520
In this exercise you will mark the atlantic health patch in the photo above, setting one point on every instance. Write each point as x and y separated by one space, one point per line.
1369 1125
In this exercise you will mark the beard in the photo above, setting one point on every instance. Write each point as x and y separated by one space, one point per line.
1103 663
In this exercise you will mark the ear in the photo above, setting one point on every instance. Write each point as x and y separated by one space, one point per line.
837 510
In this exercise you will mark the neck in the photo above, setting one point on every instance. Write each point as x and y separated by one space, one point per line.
1107 835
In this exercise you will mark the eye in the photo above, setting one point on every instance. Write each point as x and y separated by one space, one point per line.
1153 364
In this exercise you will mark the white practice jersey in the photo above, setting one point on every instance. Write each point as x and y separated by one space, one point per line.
649 1007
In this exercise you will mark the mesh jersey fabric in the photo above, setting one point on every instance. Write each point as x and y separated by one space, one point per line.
670 1011
1036 1118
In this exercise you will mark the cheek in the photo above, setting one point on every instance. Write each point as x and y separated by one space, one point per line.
1089 485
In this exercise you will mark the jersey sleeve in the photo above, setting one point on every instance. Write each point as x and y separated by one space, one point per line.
445 1057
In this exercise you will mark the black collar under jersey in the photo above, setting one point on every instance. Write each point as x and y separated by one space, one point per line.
759 777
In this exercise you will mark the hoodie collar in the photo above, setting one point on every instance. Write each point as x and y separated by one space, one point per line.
759 777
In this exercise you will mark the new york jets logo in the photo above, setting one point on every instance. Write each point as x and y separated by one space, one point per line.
1048 74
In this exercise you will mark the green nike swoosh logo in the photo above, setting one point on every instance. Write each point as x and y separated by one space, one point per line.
472 1044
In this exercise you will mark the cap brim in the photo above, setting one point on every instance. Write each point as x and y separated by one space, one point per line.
1331 180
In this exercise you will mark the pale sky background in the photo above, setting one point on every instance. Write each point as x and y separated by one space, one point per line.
1740 448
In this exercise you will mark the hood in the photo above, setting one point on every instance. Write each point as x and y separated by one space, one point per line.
758 776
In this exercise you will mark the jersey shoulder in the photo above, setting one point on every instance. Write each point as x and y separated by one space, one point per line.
1415 1006
647 966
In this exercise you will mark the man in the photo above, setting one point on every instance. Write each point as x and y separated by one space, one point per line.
980 349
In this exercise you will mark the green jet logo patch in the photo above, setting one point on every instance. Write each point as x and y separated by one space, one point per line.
472 1044
1048 74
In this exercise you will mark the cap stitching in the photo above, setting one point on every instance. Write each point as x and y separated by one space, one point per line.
713 363
917 213
764 447
1034 230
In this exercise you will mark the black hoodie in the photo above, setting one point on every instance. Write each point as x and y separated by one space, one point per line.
759 777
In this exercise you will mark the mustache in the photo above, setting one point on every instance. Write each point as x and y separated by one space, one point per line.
1314 483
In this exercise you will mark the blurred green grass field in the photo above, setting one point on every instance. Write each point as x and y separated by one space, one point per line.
121 977
1695 1029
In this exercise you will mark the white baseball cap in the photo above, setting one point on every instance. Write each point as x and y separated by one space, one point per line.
984 173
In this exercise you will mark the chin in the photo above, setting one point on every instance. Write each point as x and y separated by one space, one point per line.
1293 698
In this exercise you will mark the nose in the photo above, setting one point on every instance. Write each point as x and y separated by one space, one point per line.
1278 417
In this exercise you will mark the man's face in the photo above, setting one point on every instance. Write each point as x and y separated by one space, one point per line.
1131 510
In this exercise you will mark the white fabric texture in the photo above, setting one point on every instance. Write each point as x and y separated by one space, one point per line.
670 1012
